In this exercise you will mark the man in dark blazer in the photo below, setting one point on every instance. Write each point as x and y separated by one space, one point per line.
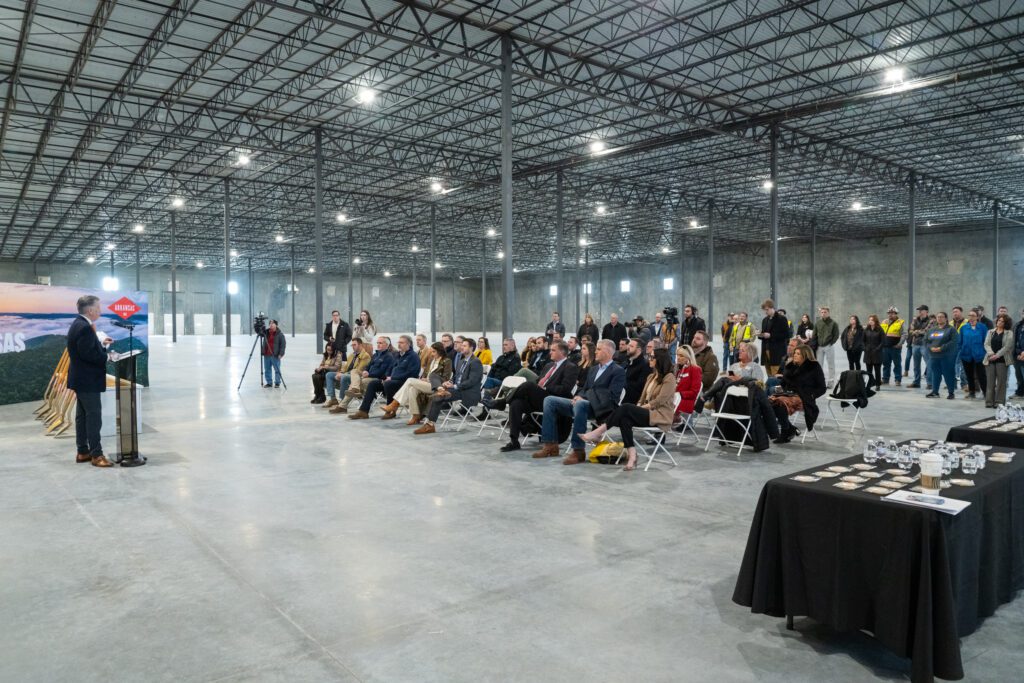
339 333
556 325
87 377
637 368
557 378
467 376
599 397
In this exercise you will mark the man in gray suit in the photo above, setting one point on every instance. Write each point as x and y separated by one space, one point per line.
467 376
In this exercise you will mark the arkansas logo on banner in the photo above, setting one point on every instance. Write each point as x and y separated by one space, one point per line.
124 308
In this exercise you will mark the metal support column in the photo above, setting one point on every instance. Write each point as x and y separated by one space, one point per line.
911 243
559 229
174 276
579 276
682 276
293 290
138 263
227 262
711 271
362 304
249 290
586 291
508 285
433 274
995 260
413 328
351 257
814 258
318 236
774 216
453 302
483 288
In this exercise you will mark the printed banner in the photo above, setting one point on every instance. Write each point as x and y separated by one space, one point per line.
34 322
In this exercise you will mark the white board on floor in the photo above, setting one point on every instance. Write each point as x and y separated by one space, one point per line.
202 323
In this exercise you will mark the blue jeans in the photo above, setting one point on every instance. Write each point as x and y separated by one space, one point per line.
342 383
914 356
555 406
492 382
771 383
939 369
271 362
891 357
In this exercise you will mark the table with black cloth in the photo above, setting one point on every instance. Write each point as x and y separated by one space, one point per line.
986 437
915 578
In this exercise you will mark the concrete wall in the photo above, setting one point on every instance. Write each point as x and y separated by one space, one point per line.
852 277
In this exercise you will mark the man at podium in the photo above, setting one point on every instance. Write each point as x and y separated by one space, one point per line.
87 377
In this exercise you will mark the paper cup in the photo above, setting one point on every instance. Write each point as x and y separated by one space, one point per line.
931 473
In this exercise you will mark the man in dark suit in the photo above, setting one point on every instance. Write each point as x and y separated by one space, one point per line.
557 378
600 395
339 333
467 376
87 377
637 368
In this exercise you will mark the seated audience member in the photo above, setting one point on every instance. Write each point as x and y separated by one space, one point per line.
405 367
329 363
415 393
600 395
614 330
621 356
464 386
747 366
637 368
803 381
705 357
776 379
449 345
654 408
505 365
652 346
528 351
483 351
379 368
689 384
540 357
558 378
350 369
588 355
423 351
574 350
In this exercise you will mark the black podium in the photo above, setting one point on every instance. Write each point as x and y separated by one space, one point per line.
126 408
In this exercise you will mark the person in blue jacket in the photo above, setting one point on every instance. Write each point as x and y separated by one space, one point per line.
406 365
941 342
972 353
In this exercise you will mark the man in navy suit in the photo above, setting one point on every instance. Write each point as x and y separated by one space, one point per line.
600 395
87 376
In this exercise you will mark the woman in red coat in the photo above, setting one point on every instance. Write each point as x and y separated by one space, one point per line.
688 382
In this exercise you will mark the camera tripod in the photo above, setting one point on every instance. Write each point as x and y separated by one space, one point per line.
261 340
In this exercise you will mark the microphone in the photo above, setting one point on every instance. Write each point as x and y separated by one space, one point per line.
125 325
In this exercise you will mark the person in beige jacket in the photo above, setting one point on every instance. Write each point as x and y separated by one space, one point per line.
349 375
655 407
999 345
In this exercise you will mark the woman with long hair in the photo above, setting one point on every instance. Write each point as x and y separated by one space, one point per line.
999 347
365 329
588 353
527 353
589 328
806 325
852 339
653 409
804 381
329 362
483 351
873 336
688 382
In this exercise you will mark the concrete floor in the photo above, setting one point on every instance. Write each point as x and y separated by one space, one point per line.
269 541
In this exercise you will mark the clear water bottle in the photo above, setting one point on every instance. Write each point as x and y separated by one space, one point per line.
892 453
870 454
969 462
1002 414
880 448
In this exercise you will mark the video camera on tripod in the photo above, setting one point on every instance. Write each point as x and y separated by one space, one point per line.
259 324
671 314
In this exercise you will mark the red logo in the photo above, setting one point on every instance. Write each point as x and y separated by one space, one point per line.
124 308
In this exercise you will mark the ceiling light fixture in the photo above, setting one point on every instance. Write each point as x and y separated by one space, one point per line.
366 95
109 246
234 253
436 186
387 273
694 223
91 259
279 238
356 260
583 241
177 202
311 269
438 265
341 218
138 227
767 185
415 247
895 75
601 209
598 147
243 159
199 264
501 255
856 206
491 232
664 250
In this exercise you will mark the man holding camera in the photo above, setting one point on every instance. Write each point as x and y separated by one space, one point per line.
273 352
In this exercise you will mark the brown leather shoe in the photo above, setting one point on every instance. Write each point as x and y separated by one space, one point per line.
391 407
359 415
83 457
577 456
101 461
428 428
548 450
338 410
388 415
414 420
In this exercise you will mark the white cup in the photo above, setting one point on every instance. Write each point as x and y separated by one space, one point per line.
931 473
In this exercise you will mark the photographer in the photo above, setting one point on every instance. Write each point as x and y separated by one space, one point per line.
273 352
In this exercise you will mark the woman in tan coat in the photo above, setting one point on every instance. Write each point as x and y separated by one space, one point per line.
653 409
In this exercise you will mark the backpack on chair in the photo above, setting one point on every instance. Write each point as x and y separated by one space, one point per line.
851 386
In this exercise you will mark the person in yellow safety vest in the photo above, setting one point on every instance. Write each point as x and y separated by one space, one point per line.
892 345
743 332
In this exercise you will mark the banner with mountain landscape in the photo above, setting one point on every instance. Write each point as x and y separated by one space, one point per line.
34 320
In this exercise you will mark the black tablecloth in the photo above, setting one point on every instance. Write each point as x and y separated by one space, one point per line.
964 434
915 578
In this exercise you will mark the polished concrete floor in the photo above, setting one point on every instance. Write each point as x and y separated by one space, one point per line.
268 541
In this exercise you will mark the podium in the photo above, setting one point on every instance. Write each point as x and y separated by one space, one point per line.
126 408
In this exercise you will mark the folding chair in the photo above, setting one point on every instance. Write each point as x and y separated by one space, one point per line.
844 403
742 420
657 437
508 385
803 437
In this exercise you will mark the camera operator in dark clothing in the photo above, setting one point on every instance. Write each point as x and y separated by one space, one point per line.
273 352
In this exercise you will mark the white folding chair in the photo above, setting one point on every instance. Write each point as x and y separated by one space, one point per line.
657 437
742 420
493 421
803 437
844 403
